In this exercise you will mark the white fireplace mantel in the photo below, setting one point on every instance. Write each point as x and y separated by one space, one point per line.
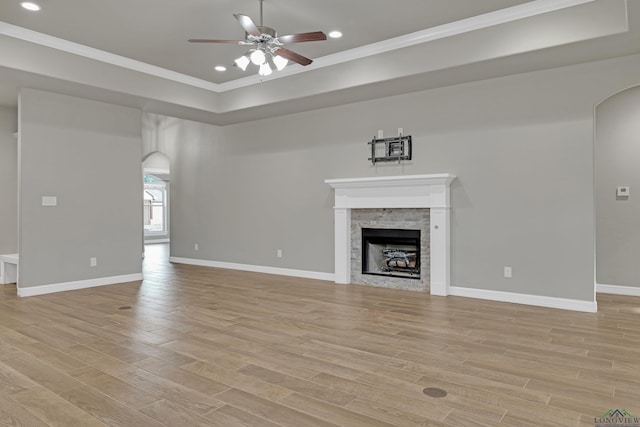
410 191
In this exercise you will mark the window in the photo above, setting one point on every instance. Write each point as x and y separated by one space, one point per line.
155 205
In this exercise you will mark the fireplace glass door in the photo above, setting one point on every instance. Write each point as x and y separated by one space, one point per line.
391 252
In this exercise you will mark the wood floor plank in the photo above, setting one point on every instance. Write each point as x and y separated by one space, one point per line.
230 416
114 387
239 381
45 375
266 361
53 410
593 406
161 388
12 413
13 336
574 388
298 385
105 409
464 419
133 332
391 415
101 361
203 350
12 381
524 367
534 414
170 414
272 411
357 360
310 362
189 380
332 413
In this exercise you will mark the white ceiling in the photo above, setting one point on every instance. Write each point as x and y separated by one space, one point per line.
136 52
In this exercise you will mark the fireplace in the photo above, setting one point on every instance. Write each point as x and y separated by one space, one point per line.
391 252
394 244
411 192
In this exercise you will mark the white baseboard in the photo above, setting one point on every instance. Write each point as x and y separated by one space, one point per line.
80 284
632 291
537 300
256 268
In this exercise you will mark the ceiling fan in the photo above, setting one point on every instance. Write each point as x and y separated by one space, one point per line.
267 45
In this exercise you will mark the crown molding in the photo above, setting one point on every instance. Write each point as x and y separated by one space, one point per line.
63 45
503 16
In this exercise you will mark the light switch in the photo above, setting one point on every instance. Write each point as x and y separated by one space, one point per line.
622 191
49 201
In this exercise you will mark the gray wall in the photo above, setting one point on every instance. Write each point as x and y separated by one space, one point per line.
521 146
8 181
88 154
618 165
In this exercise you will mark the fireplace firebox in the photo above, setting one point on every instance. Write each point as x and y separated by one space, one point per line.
391 252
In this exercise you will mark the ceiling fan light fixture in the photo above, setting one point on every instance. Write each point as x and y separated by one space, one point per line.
280 62
242 62
267 50
258 57
265 69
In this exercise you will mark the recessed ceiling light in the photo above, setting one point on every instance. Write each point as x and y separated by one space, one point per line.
335 34
29 5
220 68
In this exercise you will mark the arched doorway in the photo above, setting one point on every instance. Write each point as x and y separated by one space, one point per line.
617 192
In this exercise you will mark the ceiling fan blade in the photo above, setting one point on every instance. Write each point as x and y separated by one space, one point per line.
216 41
292 56
247 24
303 37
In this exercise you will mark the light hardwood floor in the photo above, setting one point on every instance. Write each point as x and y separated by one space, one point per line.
194 346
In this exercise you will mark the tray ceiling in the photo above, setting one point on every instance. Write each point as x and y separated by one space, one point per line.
137 54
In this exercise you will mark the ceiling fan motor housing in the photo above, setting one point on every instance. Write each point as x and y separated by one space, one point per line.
266 34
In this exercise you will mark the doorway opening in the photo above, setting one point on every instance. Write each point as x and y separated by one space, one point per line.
156 198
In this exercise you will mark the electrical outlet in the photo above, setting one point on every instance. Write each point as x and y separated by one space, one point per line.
279 253
195 247
507 272
93 261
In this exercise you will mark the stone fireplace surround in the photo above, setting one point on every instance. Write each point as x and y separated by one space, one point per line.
390 218
410 191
